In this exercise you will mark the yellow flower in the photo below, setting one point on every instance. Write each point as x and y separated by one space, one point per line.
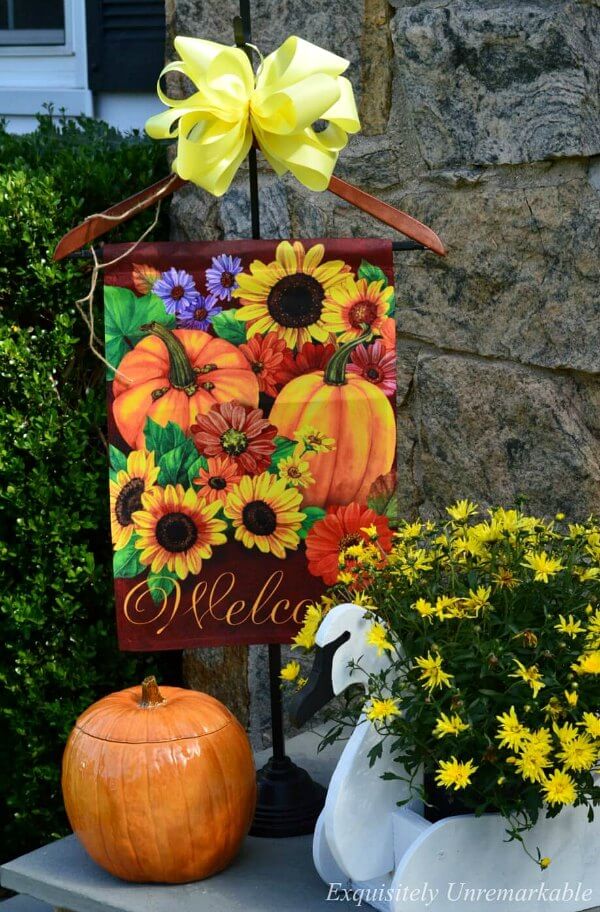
454 774
541 739
314 440
588 663
571 696
364 599
542 565
290 671
559 788
511 733
545 861
565 732
487 532
586 573
478 600
371 532
270 293
446 606
424 608
410 530
346 578
593 627
505 578
377 637
579 753
305 638
177 529
265 514
295 471
380 710
531 675
449 725
431 672
354 304
531 761
569 627
462 510
592 723
126 491
553 708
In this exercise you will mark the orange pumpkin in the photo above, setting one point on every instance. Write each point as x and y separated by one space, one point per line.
175 375
351 410
159 787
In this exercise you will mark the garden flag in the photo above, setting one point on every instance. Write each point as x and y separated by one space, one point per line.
251 430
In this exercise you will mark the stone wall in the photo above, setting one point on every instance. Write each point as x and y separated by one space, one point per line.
481 118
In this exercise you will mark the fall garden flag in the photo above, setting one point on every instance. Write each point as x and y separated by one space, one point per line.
251 428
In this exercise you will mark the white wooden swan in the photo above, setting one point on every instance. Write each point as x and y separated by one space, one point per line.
397 859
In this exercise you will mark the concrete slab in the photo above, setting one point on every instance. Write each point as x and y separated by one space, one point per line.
269 874
24 904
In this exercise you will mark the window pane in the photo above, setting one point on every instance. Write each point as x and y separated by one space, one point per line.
38 14
32 14
24 22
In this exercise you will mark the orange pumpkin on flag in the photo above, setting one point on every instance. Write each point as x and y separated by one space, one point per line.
353 412
175 375
159 787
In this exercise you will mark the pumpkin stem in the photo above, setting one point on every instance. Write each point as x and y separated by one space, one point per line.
151 695
335 372
181 373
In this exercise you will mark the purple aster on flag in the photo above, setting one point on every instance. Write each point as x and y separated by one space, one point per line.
177 289
221 276
198 314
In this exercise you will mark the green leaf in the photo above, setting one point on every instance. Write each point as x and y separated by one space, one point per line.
284 447
124 313
375 274
312 515
372 273
175 464
227 326
382 496
118 460
162 439
126 561
161 584
194 467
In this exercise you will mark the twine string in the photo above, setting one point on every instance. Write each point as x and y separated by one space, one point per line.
87 314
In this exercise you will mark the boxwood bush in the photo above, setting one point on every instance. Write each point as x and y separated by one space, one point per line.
59 650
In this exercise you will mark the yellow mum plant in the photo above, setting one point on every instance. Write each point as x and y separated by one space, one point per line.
492 625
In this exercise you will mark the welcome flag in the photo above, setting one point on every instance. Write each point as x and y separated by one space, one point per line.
251 430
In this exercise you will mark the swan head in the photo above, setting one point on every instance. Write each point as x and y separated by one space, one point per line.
341 641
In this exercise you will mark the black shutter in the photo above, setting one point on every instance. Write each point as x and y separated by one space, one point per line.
126 44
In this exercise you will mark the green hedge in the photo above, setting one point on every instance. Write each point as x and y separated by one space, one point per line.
57 612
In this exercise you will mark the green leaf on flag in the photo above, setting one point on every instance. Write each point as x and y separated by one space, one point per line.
126 561
124 313
227 326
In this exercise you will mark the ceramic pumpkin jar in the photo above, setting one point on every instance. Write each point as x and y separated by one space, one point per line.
351 410
175 375
159 787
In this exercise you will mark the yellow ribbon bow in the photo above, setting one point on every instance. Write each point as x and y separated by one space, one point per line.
295 86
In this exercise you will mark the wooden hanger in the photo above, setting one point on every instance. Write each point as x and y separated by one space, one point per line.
96 225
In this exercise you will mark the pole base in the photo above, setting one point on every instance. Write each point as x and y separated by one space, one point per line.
289 801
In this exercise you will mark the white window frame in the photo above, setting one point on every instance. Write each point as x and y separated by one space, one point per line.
38 49
30 81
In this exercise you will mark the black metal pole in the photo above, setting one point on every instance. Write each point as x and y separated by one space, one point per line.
243 36
276 701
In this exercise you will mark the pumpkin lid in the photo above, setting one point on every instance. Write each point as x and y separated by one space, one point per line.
171 714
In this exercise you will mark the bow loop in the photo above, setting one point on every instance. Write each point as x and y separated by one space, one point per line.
296 85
